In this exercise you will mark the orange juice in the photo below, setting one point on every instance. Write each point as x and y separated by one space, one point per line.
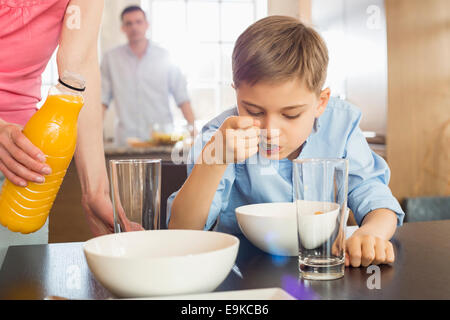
53 129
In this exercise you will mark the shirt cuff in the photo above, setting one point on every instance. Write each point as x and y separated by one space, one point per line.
391 204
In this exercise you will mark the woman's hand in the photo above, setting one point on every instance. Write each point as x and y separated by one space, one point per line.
20 160
99 212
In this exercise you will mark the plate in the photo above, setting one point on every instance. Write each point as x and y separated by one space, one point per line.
252 294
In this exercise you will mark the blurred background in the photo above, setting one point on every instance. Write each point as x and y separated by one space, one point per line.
389 57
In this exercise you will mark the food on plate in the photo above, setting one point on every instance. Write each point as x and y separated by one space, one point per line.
137 143
160 138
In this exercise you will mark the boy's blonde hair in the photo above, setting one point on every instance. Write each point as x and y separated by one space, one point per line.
280 48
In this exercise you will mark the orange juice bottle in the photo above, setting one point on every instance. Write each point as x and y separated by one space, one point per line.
53 129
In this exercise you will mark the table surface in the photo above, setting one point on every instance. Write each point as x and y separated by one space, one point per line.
421 271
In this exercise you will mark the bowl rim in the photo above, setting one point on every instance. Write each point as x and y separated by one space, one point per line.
314 160
258 215
275 216
236 242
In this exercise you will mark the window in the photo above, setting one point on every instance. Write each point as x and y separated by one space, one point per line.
200 35
355 33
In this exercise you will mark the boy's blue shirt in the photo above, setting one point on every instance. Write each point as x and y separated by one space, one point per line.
336 134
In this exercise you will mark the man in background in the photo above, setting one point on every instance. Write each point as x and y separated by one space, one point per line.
140 79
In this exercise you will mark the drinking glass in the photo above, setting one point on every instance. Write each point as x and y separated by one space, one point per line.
320 194
136 194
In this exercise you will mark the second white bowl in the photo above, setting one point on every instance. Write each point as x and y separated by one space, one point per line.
272 226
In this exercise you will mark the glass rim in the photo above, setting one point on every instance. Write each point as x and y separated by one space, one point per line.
310 160
134 161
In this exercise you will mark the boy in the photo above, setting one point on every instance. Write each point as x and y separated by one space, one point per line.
279 68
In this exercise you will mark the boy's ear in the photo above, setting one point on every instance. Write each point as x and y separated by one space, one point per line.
324 97
233 86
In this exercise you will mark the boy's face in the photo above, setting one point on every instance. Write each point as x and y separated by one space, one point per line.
286 111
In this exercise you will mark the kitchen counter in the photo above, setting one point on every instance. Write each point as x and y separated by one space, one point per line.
165 153
178 154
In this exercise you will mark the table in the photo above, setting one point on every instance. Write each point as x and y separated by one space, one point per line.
421 271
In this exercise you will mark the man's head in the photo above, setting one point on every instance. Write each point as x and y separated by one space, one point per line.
134 23
279 69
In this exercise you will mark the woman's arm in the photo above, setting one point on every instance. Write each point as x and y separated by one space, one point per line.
78 53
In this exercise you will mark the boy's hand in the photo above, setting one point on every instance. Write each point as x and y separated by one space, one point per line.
236 140
363 249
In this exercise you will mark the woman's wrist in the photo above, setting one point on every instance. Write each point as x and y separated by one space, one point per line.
92 175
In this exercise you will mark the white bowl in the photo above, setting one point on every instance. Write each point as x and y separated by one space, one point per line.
272 226
314 229
161 262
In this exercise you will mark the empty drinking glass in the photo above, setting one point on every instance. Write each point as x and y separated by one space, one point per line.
136 194
321 202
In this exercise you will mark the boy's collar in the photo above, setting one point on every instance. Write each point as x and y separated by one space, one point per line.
315 128
316 125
